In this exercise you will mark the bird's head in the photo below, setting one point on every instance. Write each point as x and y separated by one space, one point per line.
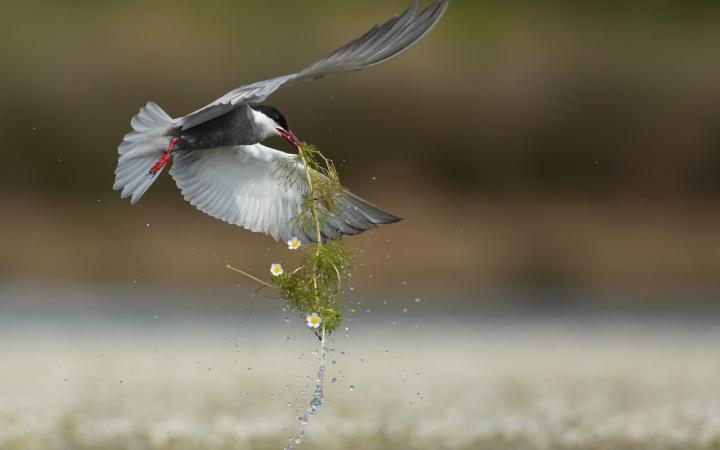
271 123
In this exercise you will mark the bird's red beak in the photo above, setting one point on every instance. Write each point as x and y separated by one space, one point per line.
290 137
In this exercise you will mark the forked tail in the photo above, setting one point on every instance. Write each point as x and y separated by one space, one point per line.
143 152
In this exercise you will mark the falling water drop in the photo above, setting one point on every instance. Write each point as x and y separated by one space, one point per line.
315 402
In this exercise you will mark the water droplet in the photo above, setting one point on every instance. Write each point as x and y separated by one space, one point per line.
386 353
352 387
334 380
417 300
405 310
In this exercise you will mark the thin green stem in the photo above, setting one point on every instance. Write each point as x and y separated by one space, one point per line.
316 219
235 269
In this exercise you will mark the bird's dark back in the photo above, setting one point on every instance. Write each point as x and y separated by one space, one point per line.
235 127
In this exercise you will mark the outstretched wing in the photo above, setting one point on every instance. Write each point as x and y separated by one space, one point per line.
381 43
243 186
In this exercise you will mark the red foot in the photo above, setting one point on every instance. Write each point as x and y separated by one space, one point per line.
157 167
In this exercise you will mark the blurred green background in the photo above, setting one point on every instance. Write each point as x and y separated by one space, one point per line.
533 145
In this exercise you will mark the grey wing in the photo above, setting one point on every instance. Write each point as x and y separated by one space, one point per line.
380 44
252 93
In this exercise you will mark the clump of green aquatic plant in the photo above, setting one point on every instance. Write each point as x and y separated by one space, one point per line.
315 287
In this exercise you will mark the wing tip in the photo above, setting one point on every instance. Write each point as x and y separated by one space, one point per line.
391 220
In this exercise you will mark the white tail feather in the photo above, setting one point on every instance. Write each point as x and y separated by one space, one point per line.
140 149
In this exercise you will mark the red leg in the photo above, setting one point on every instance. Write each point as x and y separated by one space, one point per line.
165 157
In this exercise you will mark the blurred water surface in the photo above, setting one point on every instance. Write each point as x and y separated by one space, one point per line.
206 378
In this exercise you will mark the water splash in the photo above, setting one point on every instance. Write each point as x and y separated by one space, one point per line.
317 398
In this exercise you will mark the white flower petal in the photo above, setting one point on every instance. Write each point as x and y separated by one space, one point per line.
294 243
314 320
276 269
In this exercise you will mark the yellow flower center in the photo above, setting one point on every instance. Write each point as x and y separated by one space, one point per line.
314 320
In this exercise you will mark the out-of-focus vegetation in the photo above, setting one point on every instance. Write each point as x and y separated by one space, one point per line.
559 142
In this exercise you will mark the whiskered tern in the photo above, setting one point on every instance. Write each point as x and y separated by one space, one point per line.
221 167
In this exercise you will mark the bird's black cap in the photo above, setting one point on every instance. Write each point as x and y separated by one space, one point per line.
273 113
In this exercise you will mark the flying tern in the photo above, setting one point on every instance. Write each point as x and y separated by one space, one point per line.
219 164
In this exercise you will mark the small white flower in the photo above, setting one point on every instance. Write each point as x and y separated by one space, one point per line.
313 320
276 270
294 243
